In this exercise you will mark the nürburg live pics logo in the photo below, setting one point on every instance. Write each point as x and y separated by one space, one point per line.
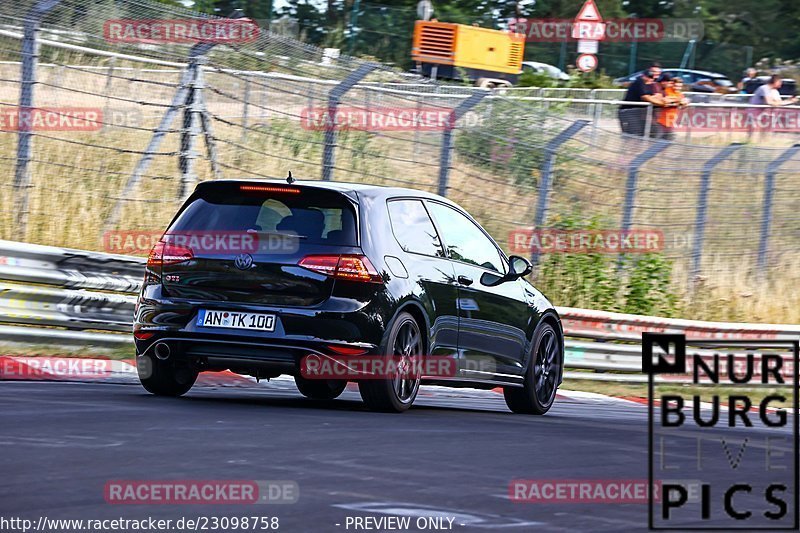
723 433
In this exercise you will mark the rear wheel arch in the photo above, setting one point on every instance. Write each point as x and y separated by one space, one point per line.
415 309
396 393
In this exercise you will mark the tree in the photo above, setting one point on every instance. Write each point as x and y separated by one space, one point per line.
384 30
254 9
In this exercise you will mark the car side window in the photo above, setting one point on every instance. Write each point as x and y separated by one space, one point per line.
413 229
465 241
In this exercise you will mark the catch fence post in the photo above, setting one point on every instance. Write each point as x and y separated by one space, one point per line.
546 171
334 97
766 210
30 59
702 206
245 107
447 137
192 118
186 87
632 184
109 82
648 121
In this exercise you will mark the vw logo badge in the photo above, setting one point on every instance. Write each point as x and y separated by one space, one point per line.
243 261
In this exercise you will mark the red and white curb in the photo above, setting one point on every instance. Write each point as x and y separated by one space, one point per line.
26 368
100 370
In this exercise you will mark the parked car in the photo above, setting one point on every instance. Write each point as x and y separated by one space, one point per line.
699 81
788 87
372 271
543 68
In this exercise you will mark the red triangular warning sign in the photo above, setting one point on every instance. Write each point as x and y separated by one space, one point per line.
589 13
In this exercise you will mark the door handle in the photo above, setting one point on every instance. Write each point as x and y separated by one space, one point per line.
465 280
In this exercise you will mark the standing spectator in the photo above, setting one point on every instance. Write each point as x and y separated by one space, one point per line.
633 118
768 94
656 69
750 77
674 100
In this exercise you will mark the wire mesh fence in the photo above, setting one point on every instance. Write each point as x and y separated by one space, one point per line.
120 126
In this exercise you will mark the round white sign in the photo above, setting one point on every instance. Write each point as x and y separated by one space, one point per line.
586 62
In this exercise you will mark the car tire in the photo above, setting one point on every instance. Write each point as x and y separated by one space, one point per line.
542 377
396 395
320 389
163 378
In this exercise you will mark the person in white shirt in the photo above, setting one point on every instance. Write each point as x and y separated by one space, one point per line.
751 75
768 94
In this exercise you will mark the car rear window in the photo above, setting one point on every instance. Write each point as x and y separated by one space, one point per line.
314 216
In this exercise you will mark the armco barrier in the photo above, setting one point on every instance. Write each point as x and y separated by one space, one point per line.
51 295
600 325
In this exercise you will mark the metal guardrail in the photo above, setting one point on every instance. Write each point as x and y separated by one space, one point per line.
52 295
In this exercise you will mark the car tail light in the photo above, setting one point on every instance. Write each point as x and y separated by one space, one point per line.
142 335
350 267
164 253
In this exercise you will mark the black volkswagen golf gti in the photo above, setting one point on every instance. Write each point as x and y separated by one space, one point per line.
262 277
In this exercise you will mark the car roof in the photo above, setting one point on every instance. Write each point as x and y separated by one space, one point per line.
768 76
702 72
366 189
538 63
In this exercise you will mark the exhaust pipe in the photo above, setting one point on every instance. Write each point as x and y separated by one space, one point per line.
162 351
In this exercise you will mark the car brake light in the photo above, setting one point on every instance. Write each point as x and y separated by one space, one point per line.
269 188
350 267
164 253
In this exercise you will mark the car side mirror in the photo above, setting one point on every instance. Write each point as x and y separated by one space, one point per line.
517 267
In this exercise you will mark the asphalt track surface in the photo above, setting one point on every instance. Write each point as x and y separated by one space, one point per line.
454 453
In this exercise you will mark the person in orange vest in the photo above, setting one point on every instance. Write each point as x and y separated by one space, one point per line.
674 102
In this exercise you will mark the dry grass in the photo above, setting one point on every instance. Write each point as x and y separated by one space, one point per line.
75 185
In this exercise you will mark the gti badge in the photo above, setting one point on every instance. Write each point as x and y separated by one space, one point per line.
243 261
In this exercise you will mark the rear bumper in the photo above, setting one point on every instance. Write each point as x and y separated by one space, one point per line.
298 332
249 357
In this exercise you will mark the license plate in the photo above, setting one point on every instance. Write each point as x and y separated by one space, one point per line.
236 320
